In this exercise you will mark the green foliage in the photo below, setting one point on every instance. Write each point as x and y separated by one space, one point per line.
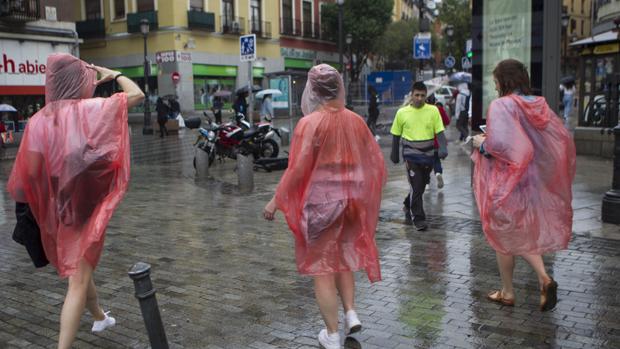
366 20
458 14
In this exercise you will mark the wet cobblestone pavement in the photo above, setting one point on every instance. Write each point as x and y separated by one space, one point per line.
226 278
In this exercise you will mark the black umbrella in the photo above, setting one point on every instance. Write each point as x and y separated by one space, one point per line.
244 89
567 79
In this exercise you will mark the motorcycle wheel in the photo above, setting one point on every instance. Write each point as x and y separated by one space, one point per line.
269 149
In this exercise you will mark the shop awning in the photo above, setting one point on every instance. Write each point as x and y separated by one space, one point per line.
22 90
607 36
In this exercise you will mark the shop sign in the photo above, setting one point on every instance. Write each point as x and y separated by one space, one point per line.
23 64
605 49
297 53
173 56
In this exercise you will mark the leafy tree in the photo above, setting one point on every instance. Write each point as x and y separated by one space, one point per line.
396 45
366 20
458 14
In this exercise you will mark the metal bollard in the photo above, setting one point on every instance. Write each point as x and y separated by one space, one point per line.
202 164
140 273
245 173
285 139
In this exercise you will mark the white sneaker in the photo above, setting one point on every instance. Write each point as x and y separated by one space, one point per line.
101 325
352 323
329 341
439 178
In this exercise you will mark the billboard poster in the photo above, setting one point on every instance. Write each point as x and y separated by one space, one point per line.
507 34
281 83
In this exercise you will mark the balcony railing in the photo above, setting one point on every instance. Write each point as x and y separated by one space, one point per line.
262 29
311 30
290 27
201 20
19 10
91 29
232 25
133 21
325 35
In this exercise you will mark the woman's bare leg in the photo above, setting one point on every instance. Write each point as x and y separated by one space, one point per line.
345 283
92 301
75 300
506 264
537 263
327 299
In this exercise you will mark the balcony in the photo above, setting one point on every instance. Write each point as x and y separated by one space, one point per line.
232 25
201 20
311 30
19 11
325 34
290 27
91 29
262 29
133 21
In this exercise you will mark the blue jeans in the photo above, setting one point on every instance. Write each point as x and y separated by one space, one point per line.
568 105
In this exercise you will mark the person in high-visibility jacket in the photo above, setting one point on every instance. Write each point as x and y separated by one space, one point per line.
415 126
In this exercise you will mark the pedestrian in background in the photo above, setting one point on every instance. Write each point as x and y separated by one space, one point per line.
240 106
330 195
72 169
266 109
522 181
373 109
462 111
445 119
162 116
568 89
217 109
415 126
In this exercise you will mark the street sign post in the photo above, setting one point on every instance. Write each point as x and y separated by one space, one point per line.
465 63
449 62
422 46
247 53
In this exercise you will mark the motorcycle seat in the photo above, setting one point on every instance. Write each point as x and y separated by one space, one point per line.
249 133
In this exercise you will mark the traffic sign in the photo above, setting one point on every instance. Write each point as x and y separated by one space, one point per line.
465 63
175 76
247 48
422 46
449 62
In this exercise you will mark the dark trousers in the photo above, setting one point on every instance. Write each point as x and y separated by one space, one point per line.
218 116
373 115
462 124
437 164
162 128
419 176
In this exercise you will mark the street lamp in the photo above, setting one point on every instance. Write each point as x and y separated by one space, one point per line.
565 20
147 129
340 4
349 40
611 200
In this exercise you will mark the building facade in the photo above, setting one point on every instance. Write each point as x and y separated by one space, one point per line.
29 32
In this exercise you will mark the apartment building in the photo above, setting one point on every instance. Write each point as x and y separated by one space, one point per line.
191 45
29 32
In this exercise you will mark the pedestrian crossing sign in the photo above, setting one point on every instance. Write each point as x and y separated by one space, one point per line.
247 46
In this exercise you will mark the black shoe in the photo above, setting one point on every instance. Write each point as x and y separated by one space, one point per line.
421 225
408 219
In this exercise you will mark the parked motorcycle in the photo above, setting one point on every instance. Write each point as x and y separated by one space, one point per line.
230 139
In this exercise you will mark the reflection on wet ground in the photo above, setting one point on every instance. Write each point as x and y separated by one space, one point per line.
226 278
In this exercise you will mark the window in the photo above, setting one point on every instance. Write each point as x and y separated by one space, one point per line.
119 9
146 5
307 18
287 17
92 9
255 17
196 5
229 10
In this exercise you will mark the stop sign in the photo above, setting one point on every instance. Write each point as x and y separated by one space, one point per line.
175 77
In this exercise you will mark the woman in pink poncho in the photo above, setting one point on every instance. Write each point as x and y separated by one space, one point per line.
330 195
72 168
522 181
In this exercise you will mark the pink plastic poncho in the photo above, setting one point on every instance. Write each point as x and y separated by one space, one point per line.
72 166
524 190
331 192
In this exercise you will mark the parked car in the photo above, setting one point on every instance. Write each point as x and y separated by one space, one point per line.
443 94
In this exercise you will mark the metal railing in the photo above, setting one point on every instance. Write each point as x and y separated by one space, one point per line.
262 29
232 25
19 10
311 30
290 26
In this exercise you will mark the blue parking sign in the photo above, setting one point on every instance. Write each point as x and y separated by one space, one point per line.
247 47
422 46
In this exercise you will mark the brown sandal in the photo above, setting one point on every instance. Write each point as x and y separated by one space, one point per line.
549 296
496 296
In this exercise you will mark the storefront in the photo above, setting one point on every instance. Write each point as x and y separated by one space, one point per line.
22 77
599 58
